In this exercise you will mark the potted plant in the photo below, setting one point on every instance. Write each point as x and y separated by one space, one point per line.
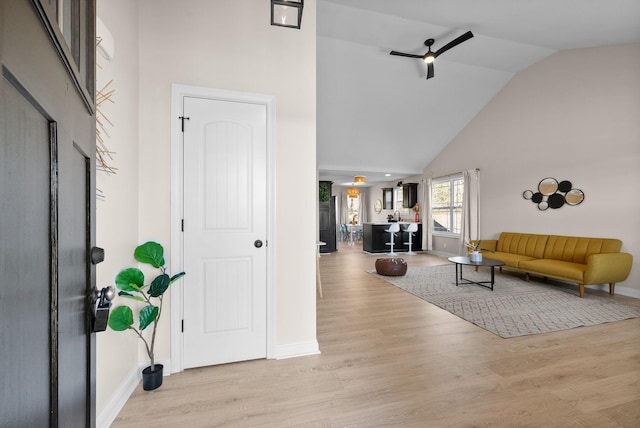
130 282
474 255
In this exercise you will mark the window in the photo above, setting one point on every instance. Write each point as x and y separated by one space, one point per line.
446 204
352 211
74 38
398 199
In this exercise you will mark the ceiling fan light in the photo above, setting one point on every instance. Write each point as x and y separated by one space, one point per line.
429 58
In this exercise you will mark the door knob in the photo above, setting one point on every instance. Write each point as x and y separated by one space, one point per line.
106 295
257 243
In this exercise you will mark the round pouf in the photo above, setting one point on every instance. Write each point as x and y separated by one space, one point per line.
391 267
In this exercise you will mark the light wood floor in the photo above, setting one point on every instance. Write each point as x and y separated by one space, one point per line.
390 359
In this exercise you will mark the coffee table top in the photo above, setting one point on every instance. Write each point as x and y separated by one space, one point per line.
459 260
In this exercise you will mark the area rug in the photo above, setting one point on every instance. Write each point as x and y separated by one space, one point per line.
515 307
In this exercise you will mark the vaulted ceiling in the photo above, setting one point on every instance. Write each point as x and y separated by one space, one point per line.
378 114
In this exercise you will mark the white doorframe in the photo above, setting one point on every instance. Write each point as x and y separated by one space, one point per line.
178 92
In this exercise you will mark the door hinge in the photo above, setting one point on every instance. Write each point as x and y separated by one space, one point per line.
182 327
182 225
182 118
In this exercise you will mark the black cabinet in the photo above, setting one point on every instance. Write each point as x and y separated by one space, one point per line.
375 238
409 194
327 218
387 198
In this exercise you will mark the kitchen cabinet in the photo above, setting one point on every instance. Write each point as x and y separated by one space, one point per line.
387 198
327 218
409 194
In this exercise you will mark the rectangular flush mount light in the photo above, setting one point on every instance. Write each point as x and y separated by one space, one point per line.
287 13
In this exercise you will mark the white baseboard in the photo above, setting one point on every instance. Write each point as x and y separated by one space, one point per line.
123 392
623 291
119 399
297 350
441 254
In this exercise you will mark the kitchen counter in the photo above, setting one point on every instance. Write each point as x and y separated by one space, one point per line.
386 223
375 238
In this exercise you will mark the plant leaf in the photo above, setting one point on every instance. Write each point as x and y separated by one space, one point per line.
148 314
150 253
131 279
130 296
121 318
176 277
159 285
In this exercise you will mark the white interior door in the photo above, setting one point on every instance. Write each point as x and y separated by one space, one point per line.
225 227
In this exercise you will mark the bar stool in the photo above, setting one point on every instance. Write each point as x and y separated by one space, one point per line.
393 229
411 229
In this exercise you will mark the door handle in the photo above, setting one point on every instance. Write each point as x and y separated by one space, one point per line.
257 243
103 304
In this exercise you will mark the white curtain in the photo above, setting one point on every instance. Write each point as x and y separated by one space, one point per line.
343 210
427 218
470 227
363 207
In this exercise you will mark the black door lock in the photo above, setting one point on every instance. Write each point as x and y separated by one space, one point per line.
103 304
96 255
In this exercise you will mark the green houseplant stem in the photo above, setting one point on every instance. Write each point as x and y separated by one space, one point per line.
130 282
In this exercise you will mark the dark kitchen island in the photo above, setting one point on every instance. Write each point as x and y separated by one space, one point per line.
375 238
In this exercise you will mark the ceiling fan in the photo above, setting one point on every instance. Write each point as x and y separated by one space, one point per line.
430 57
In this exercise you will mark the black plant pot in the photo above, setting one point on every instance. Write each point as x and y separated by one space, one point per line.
152 379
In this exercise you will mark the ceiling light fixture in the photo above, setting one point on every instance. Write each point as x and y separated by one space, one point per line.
359 179
287 13
353 192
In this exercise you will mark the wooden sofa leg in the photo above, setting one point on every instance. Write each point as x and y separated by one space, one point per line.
612 288
581 289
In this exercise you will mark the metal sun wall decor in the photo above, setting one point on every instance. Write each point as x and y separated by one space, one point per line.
552 194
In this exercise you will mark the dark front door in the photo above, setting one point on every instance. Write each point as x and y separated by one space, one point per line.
47 146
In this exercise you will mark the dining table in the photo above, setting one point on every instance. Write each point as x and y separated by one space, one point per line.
354 231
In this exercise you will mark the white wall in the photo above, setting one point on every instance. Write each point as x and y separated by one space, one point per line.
573 116
224 44
230 45
117 215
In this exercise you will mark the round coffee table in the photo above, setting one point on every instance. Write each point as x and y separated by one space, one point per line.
459 261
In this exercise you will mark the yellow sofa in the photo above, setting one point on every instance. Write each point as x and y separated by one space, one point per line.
568 258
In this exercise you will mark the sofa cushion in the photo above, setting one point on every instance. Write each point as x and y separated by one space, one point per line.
576 250
523 244
508 259
555 268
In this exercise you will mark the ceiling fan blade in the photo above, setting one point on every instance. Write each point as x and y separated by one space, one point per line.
429 71
405 54
463 38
